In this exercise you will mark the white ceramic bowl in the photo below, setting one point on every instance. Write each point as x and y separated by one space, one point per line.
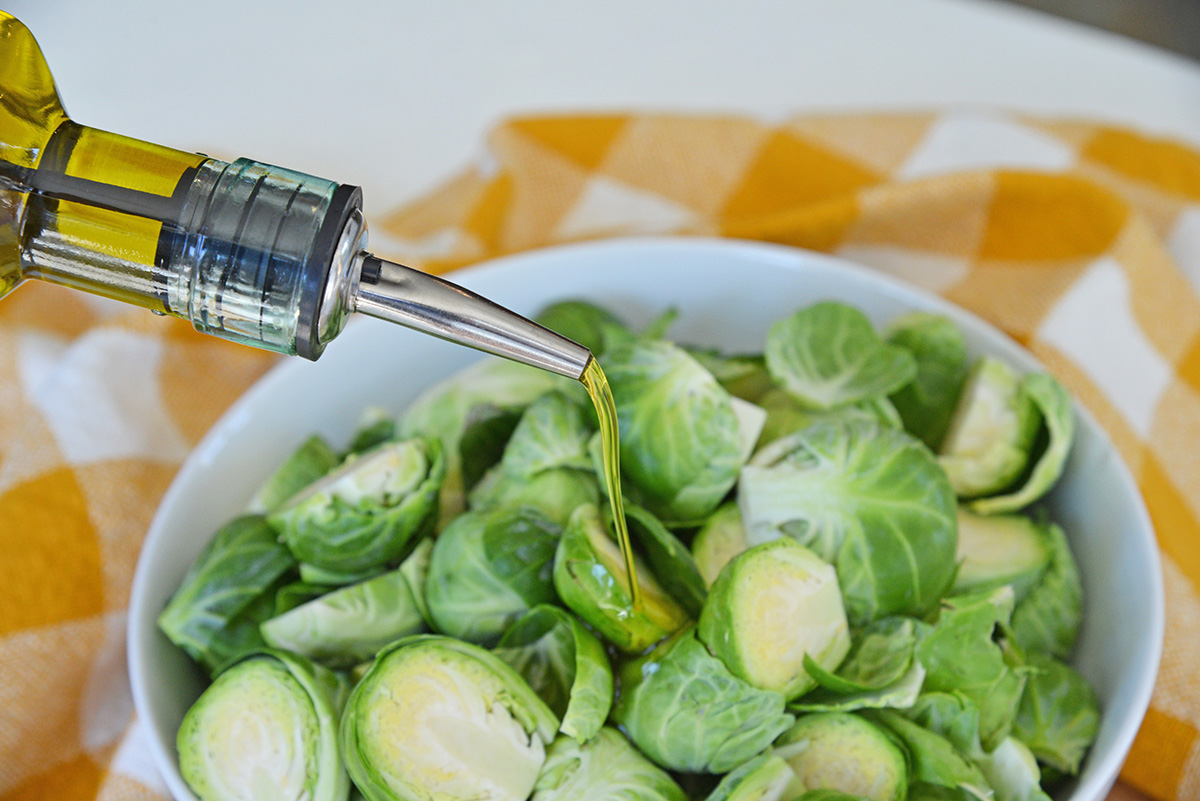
728 293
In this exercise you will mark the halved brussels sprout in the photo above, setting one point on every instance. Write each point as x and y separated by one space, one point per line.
721 538
682 707
439 718
607 768
364 516
772 607
227 592
441 413
489 568
960 656
843 752
1047 620
589 574
681 440
267 727
828 355
927 403
995 550
1059 715
565 665
764 778
992 433
870 500
348 625
313 459
1058 421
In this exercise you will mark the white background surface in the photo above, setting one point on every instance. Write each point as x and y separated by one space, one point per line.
397 95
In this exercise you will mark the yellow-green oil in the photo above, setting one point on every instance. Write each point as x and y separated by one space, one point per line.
596 382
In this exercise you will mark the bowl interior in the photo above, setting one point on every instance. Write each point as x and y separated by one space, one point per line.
728 294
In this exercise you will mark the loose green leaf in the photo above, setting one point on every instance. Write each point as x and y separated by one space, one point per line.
1059 715
313 459
763 778
940 351
828 355
1047 620
607 768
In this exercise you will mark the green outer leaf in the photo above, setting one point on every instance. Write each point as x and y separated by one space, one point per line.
590 578
375 427
607 768
927 403
1047 620
416 572
554 493
763 778
495 682
785 415
348 539
868 499
680 440
350 624
668 558
313 459
900 694
487 569
960 656
949 715
586 323
1054 404
933 759
485 434
683 708
290 674
744 377
1013 773
1059 715
214 615
829 355
552 433
565 664
879 655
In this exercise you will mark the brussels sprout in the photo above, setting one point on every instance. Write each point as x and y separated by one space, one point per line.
589 574
1000 549
960 656
350 624
489 568
828 355
438 718
565 664
720 539
596 328
228 591
927 403
441 413
364 516
607 768
669 559
744 377
313 459
1058 420
764 778
1047 619
265 728
681 440
683 708
1013 773
552 433
934 763
992 432
1059 715
771 607
868 499
485 433
553 493
843 752
786 415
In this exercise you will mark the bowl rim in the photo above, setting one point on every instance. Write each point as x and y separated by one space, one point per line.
214 442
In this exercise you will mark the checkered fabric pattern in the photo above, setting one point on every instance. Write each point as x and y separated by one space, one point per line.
1082 241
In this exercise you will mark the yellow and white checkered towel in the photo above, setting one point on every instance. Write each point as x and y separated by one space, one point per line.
1082 241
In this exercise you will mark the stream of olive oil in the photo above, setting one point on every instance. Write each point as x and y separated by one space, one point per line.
594 380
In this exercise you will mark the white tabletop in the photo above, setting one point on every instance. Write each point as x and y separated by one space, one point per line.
396 95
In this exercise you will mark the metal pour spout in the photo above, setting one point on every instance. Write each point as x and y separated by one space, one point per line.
436 306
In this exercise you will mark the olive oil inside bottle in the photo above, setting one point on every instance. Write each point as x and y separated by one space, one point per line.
594 380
